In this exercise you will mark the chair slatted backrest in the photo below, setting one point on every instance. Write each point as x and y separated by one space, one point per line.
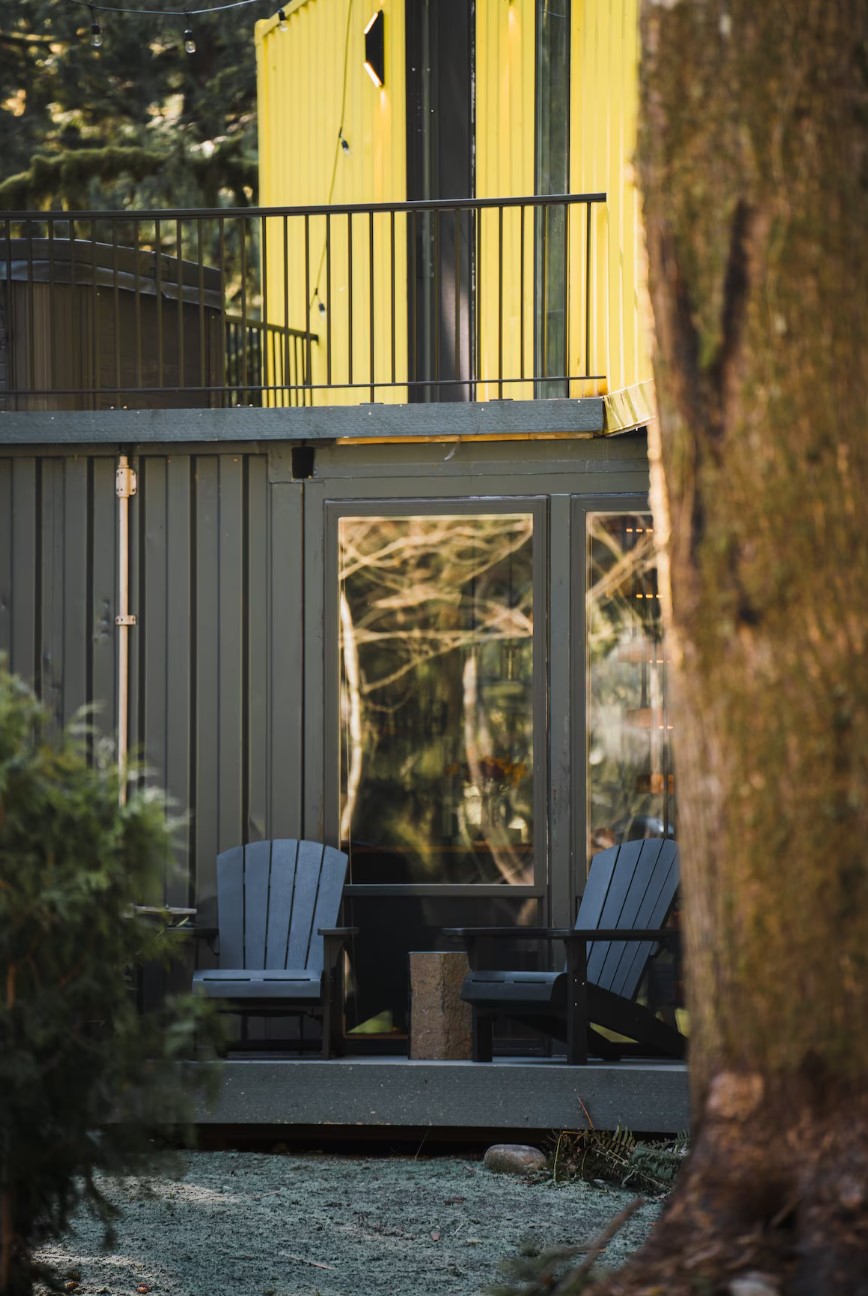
272 897
631 886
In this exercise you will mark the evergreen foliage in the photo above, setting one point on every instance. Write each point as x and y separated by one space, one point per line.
82 1074
138 123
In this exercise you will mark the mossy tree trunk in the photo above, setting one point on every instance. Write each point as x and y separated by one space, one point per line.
754 168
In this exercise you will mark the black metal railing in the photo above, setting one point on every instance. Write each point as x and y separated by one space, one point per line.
459 300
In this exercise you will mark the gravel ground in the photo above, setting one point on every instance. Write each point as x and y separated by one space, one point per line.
330 1225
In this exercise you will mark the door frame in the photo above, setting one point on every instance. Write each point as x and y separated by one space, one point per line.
560 483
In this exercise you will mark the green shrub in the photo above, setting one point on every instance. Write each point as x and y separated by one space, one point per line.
82 1075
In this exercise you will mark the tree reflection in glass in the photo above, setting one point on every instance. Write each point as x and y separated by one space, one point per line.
631 783
436 640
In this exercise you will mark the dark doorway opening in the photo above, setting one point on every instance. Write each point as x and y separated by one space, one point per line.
439 62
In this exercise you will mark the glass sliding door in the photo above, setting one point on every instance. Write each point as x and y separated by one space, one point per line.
436 706
630 775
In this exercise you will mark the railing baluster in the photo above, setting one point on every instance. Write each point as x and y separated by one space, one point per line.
137 305
413 248
287 372
31 322
10 385
96 376
392 291
267 379
456 290
244 367
588 210
307 299
227 398
478 330
436 302
567 364
308 377
521 322
117 330
371 320
500 303
158 279
51 270
179 276
205 379
350 298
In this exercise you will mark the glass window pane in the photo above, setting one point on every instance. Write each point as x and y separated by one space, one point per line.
436 680
631 781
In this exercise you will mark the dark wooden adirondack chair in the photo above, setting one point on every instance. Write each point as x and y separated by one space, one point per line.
277 908
629 895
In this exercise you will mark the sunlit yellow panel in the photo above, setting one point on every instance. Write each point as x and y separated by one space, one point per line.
505 40
604 103
328 137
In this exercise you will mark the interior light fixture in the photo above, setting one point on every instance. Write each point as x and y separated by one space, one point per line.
281 20
95 31
375 64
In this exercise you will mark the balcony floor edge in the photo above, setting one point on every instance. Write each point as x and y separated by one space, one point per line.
582 417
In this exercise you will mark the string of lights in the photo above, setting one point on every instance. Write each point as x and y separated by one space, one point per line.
96 35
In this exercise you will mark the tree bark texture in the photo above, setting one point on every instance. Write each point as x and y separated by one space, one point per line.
754 172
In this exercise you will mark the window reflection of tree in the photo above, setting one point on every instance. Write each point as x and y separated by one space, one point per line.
436 617
630 780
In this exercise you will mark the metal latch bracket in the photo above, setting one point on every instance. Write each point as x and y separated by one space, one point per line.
125 482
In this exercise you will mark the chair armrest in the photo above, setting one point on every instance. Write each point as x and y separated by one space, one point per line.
515 933
621 934
334 940
574 939
200 933
564 933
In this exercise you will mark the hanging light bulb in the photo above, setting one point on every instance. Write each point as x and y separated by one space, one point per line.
95 30
189 41
281 20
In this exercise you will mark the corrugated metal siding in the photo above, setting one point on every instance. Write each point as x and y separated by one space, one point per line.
604 105
58 578
215 661
505 81
313 90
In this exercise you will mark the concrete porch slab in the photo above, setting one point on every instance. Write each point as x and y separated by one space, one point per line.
394 1092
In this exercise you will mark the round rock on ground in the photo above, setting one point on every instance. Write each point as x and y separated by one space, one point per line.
513 1158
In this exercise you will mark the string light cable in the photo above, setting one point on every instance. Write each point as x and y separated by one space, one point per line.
342 147
166 13
96 34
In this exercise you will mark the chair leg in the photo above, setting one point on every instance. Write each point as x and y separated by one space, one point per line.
327 1027
332 1017
483 1024
577 1040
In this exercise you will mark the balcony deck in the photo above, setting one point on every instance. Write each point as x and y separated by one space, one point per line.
396 1094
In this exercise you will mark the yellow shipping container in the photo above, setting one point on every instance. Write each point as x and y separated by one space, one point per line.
330 138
